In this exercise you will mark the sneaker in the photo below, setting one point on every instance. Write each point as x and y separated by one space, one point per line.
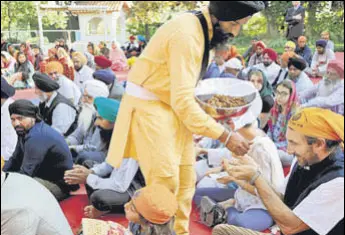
211 214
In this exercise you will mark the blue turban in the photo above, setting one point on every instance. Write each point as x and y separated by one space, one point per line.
321 43
141 38
105 75
107 108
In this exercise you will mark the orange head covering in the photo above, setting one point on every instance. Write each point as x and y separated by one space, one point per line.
156 204
337 66
302 39
2 162
54 66
287 55
319 123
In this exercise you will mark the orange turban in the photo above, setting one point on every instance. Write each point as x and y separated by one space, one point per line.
54 66
156 204
2 162
319 123
287 55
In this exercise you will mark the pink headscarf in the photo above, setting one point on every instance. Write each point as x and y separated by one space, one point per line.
337 66
119 59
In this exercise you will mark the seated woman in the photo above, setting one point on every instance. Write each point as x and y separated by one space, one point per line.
67 63
118 58
92 49
26 49
23 72
244 209
51 57
259 80
284 108
7 64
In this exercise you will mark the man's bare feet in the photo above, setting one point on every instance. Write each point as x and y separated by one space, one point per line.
92 213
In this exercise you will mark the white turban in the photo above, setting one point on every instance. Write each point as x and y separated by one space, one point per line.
96 88
234 63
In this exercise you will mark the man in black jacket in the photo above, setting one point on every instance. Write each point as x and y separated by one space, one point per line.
295 18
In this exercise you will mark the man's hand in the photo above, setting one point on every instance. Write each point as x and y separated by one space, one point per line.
212 171
226 180
78 175
200 151
238 145
243 168
297 17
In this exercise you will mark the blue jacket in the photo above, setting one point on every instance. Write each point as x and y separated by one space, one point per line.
306 53
42 153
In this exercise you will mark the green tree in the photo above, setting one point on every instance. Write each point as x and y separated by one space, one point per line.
17 15
147 16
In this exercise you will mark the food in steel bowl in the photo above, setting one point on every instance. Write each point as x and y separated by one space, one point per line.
225 98
223 101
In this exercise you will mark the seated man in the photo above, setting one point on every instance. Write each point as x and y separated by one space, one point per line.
327 36
82 72
107 187
232 68
315 188
8 134
68 88
87 115
251 50
86 140
29 208
329 93
321 59
108 77
217 66
96 145
257 57
56 110
290 46
41 152
304 50
298 76
269 66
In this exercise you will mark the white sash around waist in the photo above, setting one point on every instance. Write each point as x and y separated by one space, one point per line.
140 92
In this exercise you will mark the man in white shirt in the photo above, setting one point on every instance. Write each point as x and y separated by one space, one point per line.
9 136
68 89
28 208
107 193
270 66
312 200
321 59
83 72
56 110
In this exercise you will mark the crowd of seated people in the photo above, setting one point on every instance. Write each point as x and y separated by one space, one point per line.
63 142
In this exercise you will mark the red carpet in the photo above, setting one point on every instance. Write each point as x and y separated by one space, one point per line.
73 209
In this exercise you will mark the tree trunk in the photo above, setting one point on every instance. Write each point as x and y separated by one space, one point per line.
147 32
9 17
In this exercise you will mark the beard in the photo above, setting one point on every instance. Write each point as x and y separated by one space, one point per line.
87 116
21 132
43 98
267 64
105 135
219 36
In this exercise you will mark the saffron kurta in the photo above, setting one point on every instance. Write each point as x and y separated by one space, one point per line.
158 133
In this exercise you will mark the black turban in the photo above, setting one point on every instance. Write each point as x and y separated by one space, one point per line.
235 10
24 108
7 90
44 82
298 63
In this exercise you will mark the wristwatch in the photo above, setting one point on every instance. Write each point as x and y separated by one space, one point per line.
255 177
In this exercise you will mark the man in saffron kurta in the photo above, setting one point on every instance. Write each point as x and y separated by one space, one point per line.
159 114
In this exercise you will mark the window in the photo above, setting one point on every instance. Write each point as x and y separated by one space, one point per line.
95 26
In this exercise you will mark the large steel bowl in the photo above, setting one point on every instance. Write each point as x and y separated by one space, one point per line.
232 88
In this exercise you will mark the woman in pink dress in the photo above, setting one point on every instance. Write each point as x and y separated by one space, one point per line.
118 57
